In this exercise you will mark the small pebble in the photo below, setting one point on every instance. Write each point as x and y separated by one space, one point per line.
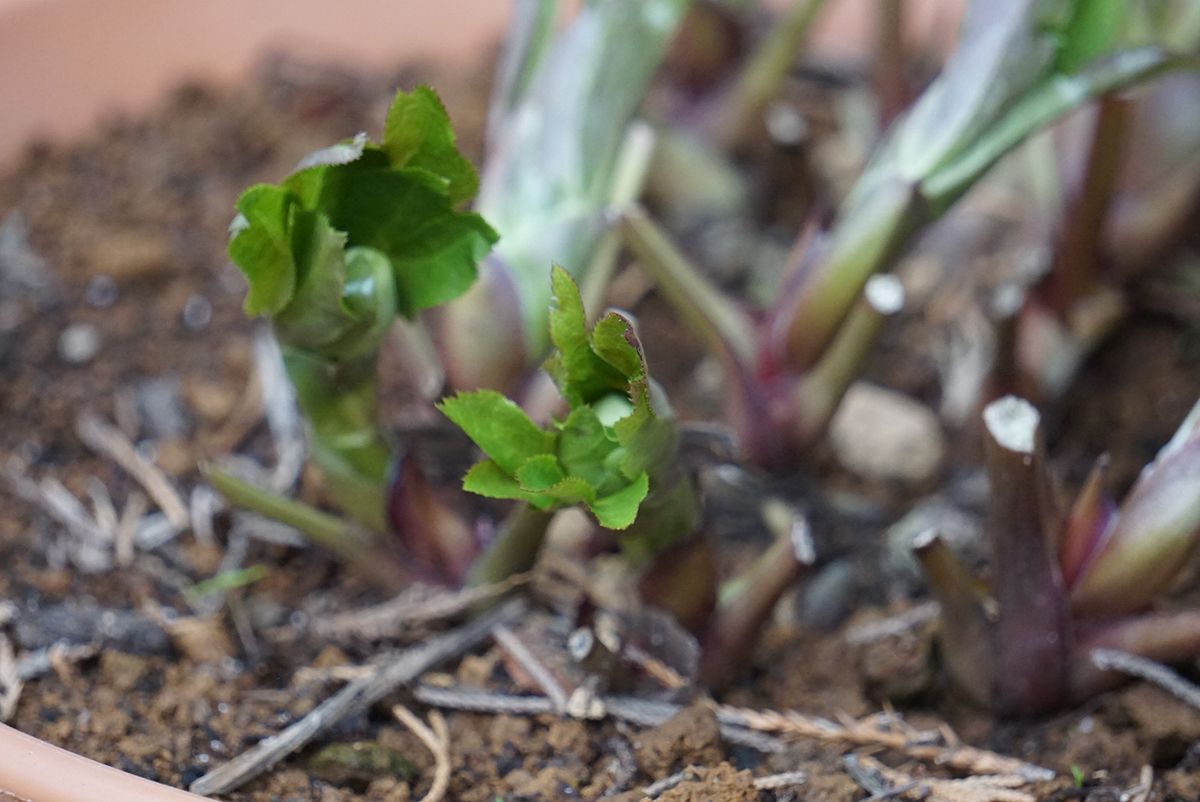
785 124
829 597
101 292
883 435
197 313
162 408
79 343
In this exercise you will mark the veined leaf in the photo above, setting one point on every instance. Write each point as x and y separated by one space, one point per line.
418 134
499 427
398 198
606 451
581 374
619 510
262 247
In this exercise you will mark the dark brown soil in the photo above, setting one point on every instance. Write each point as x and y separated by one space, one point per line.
145 202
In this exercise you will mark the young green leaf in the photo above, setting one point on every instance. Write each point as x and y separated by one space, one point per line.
261 245
418 134
499 427
604 453
398 198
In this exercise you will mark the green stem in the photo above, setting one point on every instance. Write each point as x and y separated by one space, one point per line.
515 548
338 398
871 232
820 390
705 309
629 177
327 531
1077 264
761 77
748 600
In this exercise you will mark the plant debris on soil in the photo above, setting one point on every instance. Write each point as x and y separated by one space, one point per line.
121 314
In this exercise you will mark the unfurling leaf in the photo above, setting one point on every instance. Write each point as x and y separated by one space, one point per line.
293 240
604 454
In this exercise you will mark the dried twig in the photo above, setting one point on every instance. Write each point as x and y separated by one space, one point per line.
889 783
437 740
1149 670
535 668
622 765
127 526
659 788
640 712
109 441
90 551
889 730
893 626
388 673
418 604
203 504
1141 791
31 665
10 680
785 779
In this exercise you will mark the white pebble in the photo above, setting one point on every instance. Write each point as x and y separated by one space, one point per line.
79 343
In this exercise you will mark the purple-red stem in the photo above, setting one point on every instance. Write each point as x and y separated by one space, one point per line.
1032 633
1076 267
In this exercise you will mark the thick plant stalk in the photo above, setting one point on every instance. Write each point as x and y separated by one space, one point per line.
1076 270
35 771
339 400
821 389
1031 635
515 548
749 600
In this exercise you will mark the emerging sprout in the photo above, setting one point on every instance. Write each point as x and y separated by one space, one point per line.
359 234
1066 582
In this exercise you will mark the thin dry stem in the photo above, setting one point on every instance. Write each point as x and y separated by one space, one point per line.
1141 792
388 673
535 668
941 747
90 543
1149 670
981 788
893 626
109 441
437 740
785 779
127 526
417 605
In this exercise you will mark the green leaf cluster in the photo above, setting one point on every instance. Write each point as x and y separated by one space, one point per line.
362 232
603 455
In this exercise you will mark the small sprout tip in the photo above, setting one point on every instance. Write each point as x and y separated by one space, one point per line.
1013 422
